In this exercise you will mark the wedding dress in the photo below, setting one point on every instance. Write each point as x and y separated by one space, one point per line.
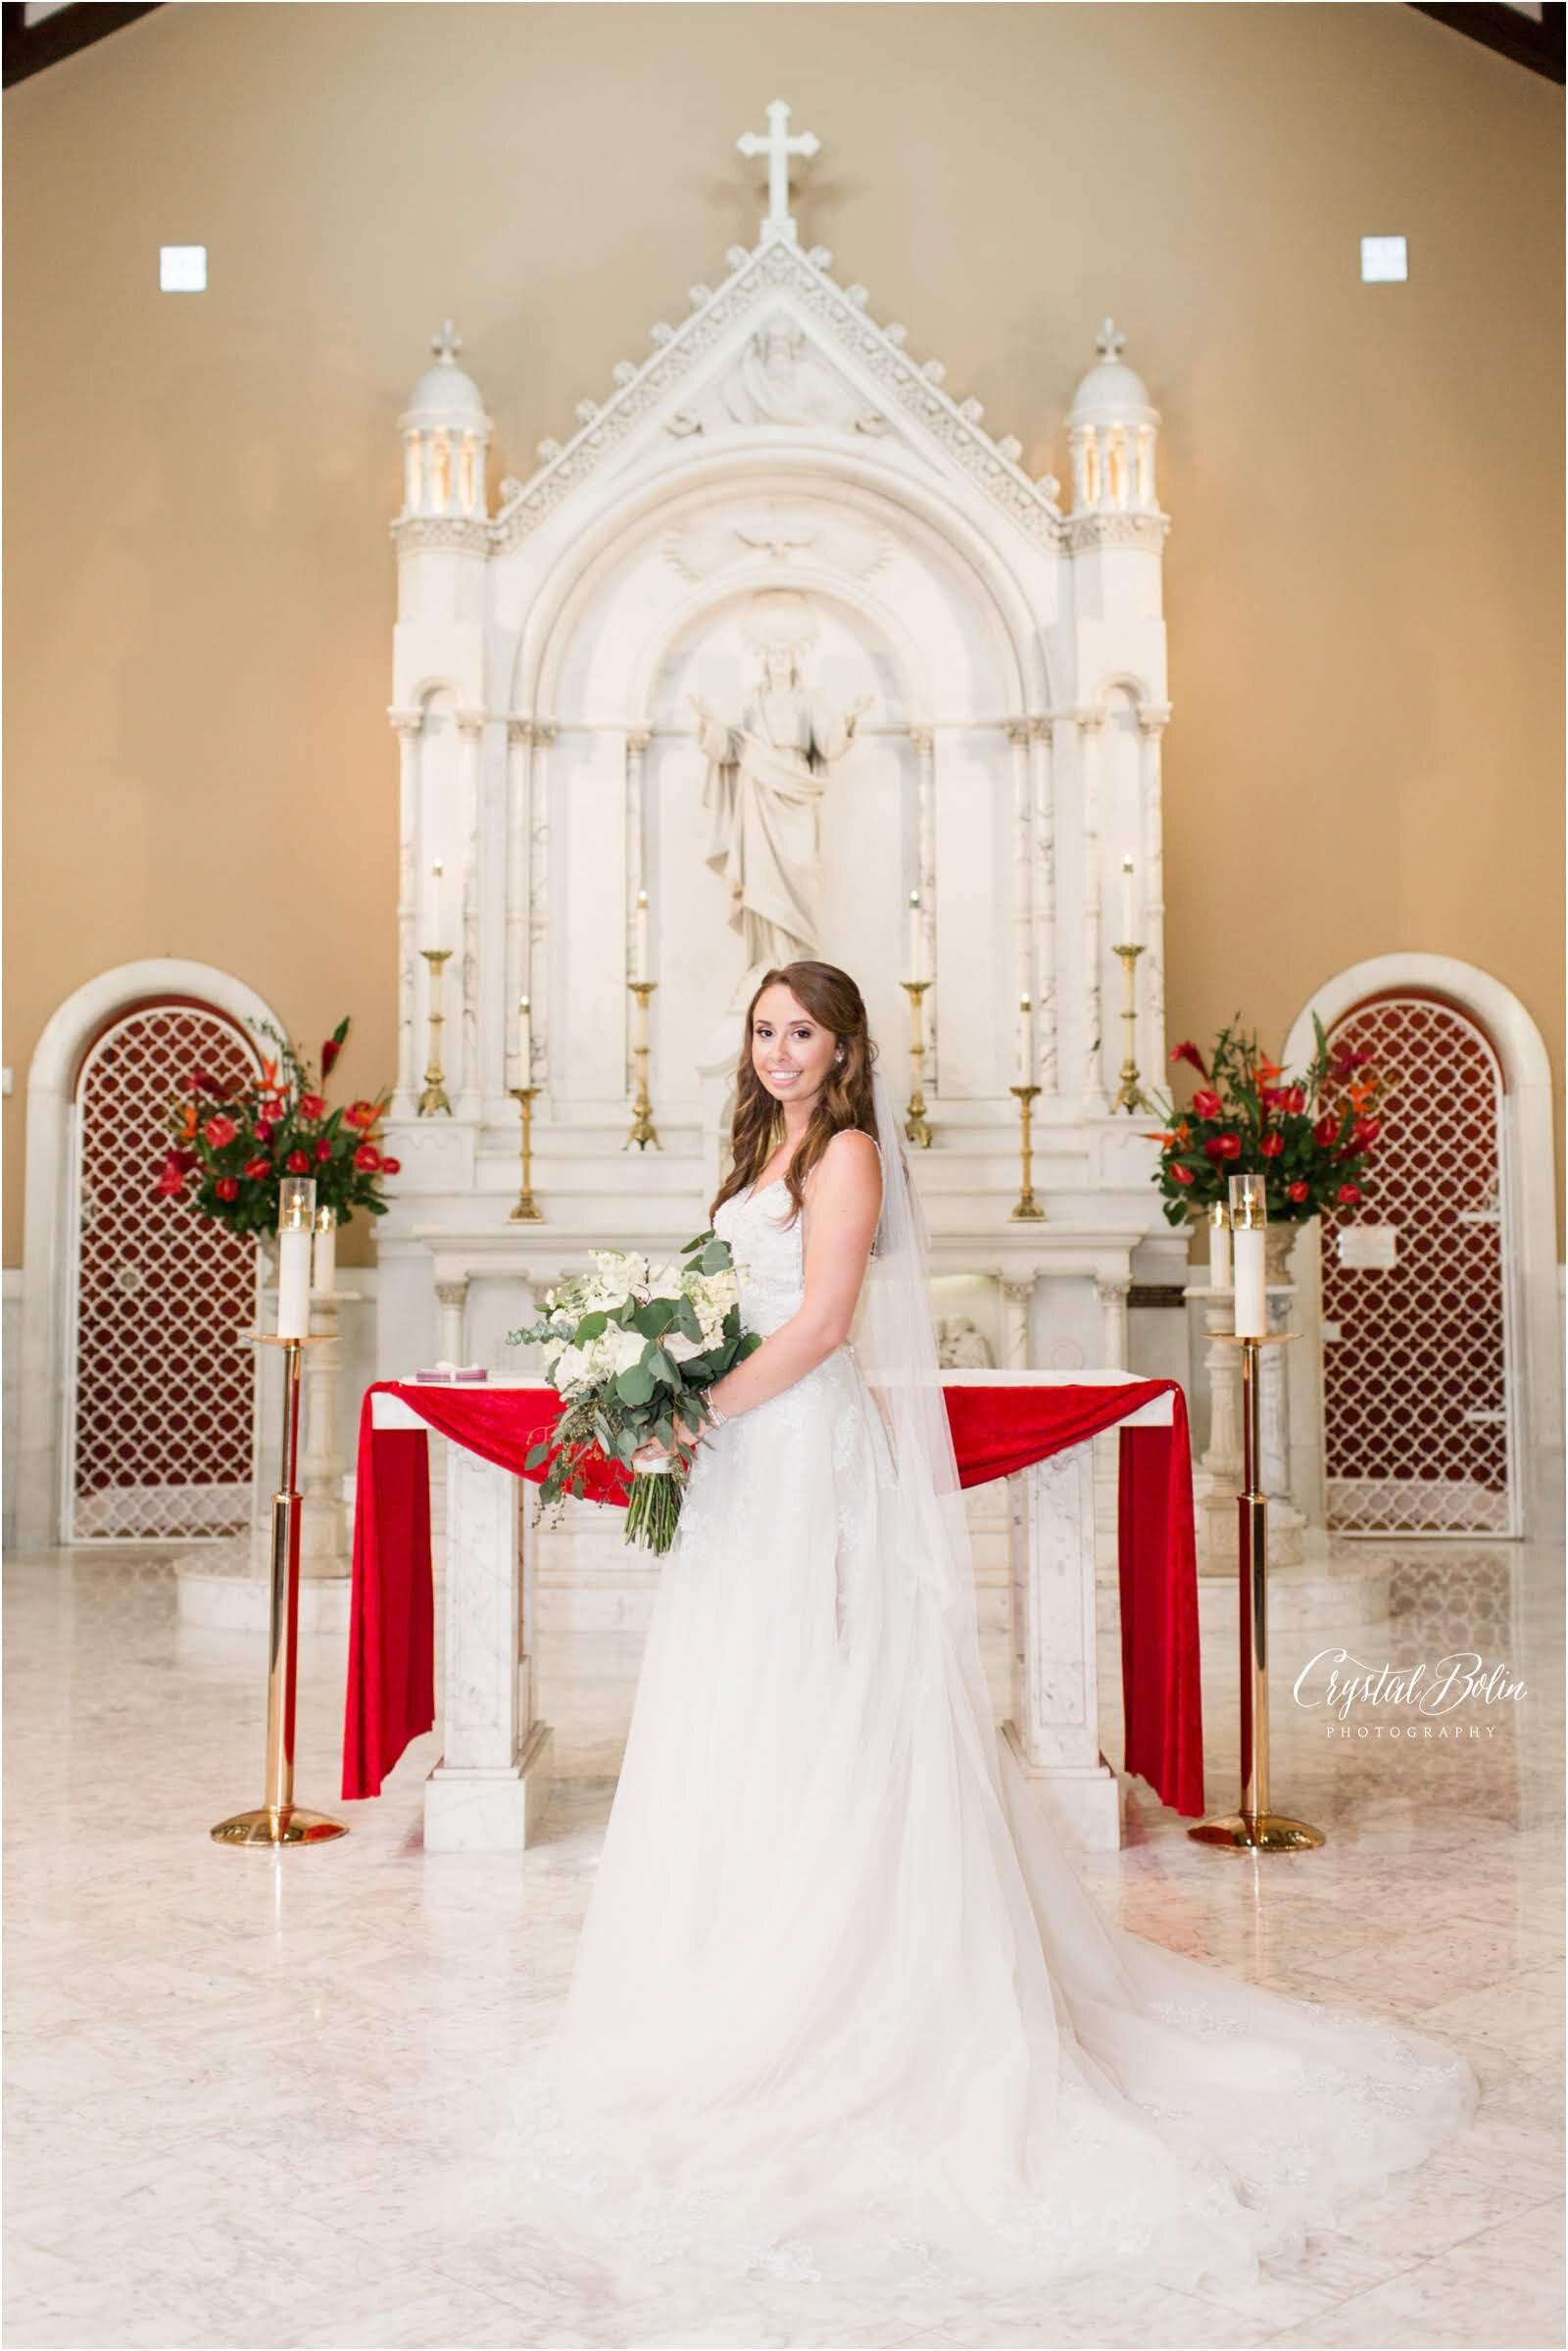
842 2007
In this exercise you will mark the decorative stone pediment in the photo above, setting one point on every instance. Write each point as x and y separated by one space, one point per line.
780 346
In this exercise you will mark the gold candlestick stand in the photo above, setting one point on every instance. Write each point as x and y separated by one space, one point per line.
434 1097
1027 1204
527 1209
1255 1827
1130 1095
916 1129
280 1820
642 1130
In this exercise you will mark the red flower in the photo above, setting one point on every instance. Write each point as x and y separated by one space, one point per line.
1268 1098
203 1082
1224 1146
360 1114
1271 1145
171 1180
323 1147
1344 1062
391 1167
1189 1052
264 1130
367 1155
1293 1100
1183 1175
1347 1195
228 1186
311 1105
298 1164
1206 1104
256 1168
182 1160
219 1132
329 1054
1297 1190
1327 1130
1366 1131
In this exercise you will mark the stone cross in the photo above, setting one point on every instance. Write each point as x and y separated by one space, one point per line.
447 344
778 147
1110 341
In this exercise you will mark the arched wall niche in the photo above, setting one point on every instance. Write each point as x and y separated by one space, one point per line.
1528 1157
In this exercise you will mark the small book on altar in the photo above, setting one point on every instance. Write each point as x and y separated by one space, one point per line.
454 1373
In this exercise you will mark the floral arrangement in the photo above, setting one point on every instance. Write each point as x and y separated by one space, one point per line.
1308 1138
229 1151
633 1352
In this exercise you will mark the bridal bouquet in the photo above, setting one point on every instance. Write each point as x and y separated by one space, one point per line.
633 1351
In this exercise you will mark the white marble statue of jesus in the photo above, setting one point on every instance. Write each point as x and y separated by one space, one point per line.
766 779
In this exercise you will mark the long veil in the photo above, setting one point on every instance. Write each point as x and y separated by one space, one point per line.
895 1339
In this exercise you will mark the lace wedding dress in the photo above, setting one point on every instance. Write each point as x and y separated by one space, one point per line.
842 2007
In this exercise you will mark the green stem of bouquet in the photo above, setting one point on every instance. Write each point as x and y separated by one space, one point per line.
653 1512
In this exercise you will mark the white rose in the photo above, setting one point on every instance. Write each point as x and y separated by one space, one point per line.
624 1348
569 1370
681 1350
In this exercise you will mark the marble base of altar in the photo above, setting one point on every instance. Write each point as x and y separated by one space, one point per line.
220 1590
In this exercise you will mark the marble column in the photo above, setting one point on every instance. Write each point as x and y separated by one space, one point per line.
452 1297
1113 1295
471 731
407 725
1017 1315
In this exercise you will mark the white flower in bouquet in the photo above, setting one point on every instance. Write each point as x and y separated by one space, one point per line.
712 1295
621 1275
571 1370
616 1350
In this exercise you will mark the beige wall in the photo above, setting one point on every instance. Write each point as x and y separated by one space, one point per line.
1364 574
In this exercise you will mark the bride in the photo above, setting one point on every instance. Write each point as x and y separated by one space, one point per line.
842 2007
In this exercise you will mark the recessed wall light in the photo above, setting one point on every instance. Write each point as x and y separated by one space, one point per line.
182 268
1383 259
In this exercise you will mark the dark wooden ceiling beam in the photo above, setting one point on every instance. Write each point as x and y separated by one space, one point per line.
29 48
1529 41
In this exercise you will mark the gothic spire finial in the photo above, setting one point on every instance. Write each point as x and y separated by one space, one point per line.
1109 342
447 344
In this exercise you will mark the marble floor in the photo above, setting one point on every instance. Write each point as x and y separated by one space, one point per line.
233 2086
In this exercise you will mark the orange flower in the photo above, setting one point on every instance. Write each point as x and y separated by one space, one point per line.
187 1132
1159 1136
1270 1069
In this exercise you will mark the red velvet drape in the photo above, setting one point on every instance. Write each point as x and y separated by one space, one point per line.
997 1428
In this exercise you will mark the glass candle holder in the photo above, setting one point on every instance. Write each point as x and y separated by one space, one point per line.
1248 1219
296 1237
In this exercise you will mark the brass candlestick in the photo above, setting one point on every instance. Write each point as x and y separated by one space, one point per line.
280 1821
434 1097
1130 1095
1027 1204
1253 1827
527 1209
642 1130
916 1129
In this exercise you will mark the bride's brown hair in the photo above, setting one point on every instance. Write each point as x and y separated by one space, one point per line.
834 1003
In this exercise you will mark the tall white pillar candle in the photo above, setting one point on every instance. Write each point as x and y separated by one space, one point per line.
639 971
1026 1041
915 972
437 906
1129 913
1219 1247
324 1257
296 1234
526 1040
1249 1224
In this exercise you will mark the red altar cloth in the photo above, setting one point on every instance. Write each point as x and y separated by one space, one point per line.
996 1430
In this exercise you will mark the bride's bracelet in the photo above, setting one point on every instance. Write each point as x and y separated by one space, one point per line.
718 1418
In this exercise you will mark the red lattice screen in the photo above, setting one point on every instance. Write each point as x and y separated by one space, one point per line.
158 1405
1416 1387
